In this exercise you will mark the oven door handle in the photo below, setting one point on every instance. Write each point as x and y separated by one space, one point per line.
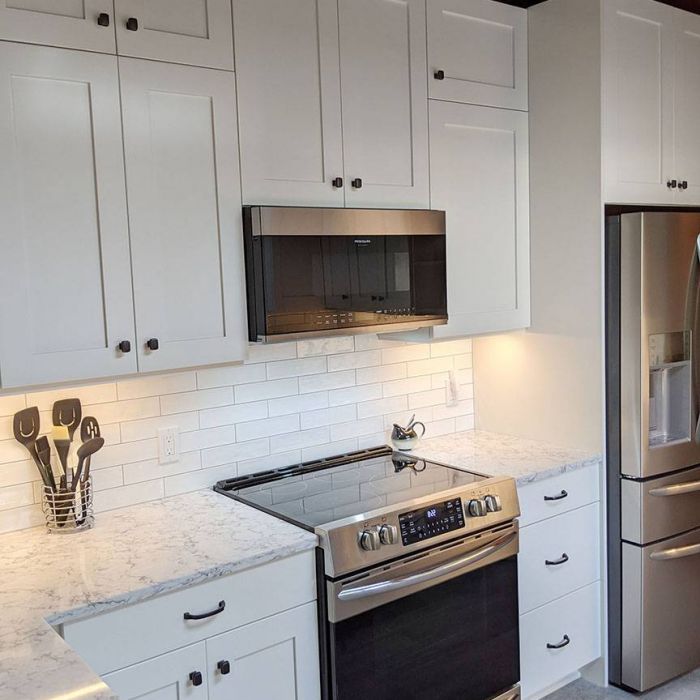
676 489
676 553
357 592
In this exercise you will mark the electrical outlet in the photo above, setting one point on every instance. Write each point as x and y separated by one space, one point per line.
169 445
452 389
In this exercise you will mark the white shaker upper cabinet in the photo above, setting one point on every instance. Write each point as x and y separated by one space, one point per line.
75 24
385 115
687 108
288 83
184 213
479 176
196 32
477 53
638 77
65 278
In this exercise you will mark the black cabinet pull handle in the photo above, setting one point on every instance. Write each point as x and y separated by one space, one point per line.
560 645
152 344
557 562
357 183
559 497
672 184
196 678
683 185
224 667
124 346
220 609
439 75
337 182
132 24
103 19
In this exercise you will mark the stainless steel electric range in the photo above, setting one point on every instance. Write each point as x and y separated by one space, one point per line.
417 573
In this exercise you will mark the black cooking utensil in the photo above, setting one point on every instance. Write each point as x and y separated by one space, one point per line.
43 451
85 451
68 413
26 426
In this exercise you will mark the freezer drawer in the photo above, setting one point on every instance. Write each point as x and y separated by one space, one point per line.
660 508
660 610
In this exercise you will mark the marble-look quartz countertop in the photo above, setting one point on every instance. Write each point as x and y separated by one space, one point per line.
131 555
493 454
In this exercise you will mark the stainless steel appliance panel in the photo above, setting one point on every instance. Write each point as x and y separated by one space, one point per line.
659 508
660 610
658 290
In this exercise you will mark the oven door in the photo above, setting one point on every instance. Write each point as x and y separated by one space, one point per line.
442 624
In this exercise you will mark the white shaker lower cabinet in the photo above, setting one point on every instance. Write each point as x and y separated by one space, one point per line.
385 116
65 275
477 53
273 658
196 32
167 677
183 191
82 24
288 80
479 176
559 578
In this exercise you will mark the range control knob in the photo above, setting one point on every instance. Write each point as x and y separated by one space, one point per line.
493 504
388 534
369 540
477 507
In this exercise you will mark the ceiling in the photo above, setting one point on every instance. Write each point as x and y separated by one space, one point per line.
690 5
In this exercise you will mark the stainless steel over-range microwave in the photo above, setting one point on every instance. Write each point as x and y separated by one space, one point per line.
314 271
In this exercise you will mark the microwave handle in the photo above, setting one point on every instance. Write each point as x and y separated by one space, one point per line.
358 592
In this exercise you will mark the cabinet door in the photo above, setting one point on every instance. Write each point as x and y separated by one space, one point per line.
479 176
69 23
638 79
164 677
384 89
477 53
687 107
184 213
65 279
288 83
196 32
274 658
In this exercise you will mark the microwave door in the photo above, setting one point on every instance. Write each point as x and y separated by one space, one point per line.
368 278
658 384
336 273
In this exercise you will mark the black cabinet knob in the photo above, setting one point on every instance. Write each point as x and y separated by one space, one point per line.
196 678
683 185
337 182
132 24
103 19
357 183
439 75
124 346
672 184
224 667
152 344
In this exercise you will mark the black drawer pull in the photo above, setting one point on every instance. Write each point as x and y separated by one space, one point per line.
672 184
683 185
557 562
103 19
357 183
132 24
560 645
224 667
124 346
337 182
196 678
439 75
558 497
153 344
220 609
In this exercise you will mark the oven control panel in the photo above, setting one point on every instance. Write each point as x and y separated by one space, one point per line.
431 521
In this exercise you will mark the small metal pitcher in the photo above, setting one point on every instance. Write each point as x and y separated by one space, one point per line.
405 439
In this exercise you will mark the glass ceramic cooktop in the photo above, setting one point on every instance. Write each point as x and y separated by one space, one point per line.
320 497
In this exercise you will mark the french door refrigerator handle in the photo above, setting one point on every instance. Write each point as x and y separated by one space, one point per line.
692 322
676 489
356 592
690 550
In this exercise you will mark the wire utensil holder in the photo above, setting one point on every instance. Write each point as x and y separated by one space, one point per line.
67 511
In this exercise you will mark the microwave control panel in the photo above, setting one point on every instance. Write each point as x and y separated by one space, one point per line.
434 520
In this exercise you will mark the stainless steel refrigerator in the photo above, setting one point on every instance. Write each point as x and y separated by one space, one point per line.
653 445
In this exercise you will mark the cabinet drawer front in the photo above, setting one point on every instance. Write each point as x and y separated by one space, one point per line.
559 494
558 556
123 637
576 618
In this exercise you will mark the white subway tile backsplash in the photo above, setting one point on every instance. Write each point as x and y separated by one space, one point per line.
230 375
156 385
196 400
266 390
287 403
